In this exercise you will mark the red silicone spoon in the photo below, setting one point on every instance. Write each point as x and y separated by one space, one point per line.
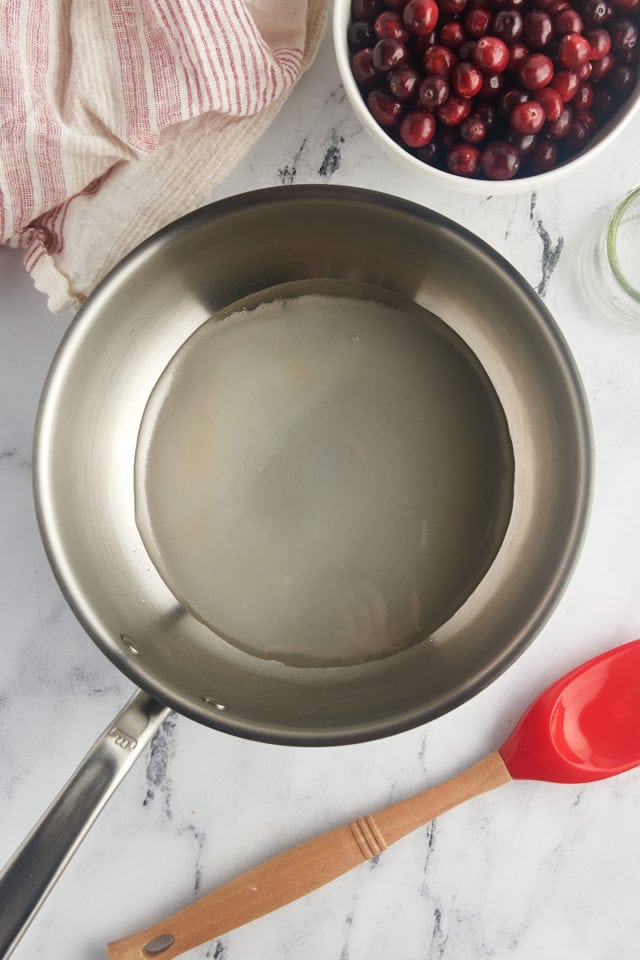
584 727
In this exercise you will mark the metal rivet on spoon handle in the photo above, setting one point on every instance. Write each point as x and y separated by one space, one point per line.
584 727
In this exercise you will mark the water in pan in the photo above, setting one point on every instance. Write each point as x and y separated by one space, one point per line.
323 476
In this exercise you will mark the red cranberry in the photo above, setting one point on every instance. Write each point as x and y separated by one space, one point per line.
600 68
388 55
523 142
366 9
439 59
492 86
466 80
403 83
596 12
624 34
517 53
452 35
535 71
500 161
433 91
527 118
599 41
491 54
583 99
452 8
463 159
568 21
417 128
584 71
558 129
550 101
476 22
473 129
543 156
487 113
566 82
577 136
454 111
574 50
511 99
362 67
384 108
429 154
507 25
588 118
537 29
622 78
388 26
420 16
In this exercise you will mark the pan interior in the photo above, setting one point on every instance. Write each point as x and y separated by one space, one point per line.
323 474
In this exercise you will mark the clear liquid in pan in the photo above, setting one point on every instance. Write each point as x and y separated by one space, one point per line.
324 478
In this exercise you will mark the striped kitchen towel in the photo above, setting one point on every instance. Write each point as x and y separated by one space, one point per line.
117 116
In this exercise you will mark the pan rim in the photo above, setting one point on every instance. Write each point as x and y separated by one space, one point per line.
247 729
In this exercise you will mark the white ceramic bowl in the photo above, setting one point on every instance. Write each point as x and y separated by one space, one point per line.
608 132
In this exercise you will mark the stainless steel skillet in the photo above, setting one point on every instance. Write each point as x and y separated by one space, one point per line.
293 238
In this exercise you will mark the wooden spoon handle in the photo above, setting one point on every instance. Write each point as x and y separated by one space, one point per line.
304 868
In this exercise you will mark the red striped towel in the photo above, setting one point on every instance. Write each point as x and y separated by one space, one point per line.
119 116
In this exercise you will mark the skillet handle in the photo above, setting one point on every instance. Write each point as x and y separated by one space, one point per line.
33 870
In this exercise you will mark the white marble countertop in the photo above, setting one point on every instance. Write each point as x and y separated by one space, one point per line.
533 870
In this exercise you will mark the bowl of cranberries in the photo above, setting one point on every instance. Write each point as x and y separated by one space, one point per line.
493 92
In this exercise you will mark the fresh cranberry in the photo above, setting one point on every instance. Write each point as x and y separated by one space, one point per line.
420 16
543 156
492 86
584 71
527 118
537 29
510 100
574 50
596 12
360 35
366 9
452 8
433 91
517 53
439 59
622 79
588 118
600 68
577 136
491 54
476 22
417 128
362 67
388 26
403 82
507 25
473 129
550 101
463 159
599 41
384 108
604 101
466 80
487 113
523 142
454 110
558 129
500 161
388 55
558 6
583 99
429 154
566 82
535 71
568 21
624 34
452 35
